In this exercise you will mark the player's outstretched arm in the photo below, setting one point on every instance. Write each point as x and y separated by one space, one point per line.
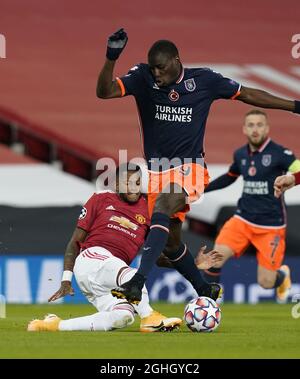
107 88
65 289
204 261
221 182
71 253
283 183
264 99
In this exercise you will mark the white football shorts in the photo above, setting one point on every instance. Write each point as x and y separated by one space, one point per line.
97 272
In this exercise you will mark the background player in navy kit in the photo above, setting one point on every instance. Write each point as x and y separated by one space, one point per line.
173 104
260 217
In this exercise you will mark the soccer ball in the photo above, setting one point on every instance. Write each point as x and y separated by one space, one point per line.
202 314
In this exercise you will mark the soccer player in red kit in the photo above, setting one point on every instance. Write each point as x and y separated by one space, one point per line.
111 229
173 104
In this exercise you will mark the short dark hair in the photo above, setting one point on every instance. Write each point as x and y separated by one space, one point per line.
163 46
128 166
256 112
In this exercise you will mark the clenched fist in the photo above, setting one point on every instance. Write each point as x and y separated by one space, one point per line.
115 45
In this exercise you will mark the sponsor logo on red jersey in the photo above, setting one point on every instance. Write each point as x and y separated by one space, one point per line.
123 221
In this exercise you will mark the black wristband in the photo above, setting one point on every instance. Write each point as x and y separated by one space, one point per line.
113 54
297 107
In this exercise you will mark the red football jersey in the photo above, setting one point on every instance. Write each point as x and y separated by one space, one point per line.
112 223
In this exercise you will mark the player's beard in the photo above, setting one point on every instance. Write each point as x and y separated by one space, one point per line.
257 144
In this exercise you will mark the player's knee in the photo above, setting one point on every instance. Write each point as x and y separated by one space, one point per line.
266 282
121 319
163 205
169 203
225 253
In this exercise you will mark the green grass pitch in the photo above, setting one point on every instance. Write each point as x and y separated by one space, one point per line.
246 331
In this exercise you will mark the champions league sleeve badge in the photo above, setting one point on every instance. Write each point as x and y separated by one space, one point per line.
83 213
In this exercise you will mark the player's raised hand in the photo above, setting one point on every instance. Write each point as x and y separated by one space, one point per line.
115 45
283 183
65 289
205 261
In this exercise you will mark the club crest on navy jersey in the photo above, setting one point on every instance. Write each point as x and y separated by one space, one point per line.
266 160
173 95
252 171
190 85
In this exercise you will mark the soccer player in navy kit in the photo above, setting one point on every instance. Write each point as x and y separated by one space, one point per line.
173 104
260 217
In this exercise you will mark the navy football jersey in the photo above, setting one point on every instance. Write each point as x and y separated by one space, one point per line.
173 118
259 169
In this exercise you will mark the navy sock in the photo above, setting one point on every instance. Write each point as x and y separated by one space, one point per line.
212 275
279 278
155 242
183 262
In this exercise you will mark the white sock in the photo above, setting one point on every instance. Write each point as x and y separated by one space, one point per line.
99 321
143 309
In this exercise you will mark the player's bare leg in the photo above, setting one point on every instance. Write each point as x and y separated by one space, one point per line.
266 278
226 253
280 279
213 274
